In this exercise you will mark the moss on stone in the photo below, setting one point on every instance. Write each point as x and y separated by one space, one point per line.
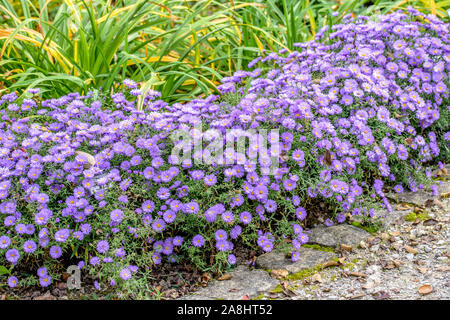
277 289
349 266
319 247
259 297
304 273
413 216
372 228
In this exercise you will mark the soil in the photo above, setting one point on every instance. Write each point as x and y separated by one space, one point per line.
169 281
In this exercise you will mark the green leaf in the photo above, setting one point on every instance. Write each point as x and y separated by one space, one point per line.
4 270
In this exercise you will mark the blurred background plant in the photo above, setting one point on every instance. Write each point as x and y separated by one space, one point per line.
180 48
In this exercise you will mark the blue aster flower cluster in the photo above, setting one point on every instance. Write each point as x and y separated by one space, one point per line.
362 107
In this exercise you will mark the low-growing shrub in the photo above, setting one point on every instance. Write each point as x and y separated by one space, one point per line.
107 181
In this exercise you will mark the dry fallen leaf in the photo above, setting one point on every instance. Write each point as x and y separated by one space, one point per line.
445 195
397 263
356 296
317 278
394 233
342 260
205 278
279 273
288 292
225 276
384 236
346 247
438 203
272 295
330 263
65 276
430 222
171 293
358 274
403 207
422 270
425 289
381 295
411 250
443 268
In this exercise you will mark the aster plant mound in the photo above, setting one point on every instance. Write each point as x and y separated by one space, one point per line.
125 182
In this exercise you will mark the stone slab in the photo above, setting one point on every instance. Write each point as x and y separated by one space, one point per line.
309 258
243 282
336 235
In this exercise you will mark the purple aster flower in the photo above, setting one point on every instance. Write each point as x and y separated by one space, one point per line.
156 257
398 188
55 252
295 256
148 206
301 213
42 272
223 245
177 241
12 282
45 281
116 215
29 246
62 235
227 217
102 246
159 225
245 217
340 218
270 206
235 232
231 259
220 235
125 274
4 242
210 180
303 238
169 216
12 256
198 241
